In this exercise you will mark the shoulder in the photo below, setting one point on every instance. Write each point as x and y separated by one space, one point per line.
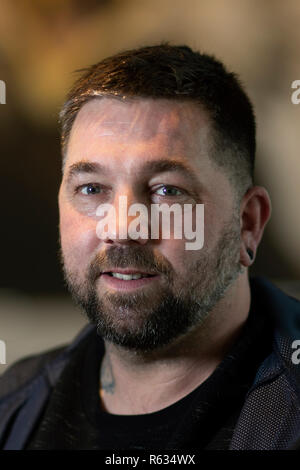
51 361
283 314
279 305
25 369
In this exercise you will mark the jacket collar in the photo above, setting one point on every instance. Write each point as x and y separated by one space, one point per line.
283 313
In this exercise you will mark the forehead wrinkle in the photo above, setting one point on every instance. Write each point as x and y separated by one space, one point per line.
144 117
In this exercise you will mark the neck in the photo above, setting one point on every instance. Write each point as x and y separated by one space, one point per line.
137 383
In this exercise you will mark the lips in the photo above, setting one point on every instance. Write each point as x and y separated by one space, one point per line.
128 274
127 279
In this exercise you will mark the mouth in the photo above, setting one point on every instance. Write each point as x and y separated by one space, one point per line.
128 275
125 279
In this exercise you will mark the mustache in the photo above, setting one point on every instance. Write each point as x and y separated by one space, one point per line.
137 257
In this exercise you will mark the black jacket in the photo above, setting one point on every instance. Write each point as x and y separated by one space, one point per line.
269 419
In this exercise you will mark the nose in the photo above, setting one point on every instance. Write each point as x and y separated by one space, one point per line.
127 220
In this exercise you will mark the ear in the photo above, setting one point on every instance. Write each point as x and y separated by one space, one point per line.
255 211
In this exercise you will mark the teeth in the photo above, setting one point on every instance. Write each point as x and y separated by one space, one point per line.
127 277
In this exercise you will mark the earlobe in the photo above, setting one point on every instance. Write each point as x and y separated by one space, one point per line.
247 256
250 253
255 213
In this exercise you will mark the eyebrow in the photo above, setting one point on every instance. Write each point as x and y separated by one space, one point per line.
154 166
161 166
84 167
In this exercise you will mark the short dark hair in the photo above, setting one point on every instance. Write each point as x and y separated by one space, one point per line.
176 72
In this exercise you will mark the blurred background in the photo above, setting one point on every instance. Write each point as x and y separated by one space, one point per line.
42 42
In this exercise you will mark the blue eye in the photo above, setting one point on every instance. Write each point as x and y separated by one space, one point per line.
89 189
169 191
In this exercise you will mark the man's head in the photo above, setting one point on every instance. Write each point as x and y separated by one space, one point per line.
176 73
138 125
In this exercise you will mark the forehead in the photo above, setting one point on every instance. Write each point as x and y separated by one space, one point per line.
156 126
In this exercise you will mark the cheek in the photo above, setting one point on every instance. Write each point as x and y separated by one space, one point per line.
78 237
213 224
183 260
180 259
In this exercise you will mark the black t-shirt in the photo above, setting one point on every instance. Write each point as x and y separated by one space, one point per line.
204 419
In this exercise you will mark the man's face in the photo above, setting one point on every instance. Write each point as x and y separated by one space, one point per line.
132 148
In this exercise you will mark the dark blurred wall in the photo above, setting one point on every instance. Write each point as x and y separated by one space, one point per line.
30 161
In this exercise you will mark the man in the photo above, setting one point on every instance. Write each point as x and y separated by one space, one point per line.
182 351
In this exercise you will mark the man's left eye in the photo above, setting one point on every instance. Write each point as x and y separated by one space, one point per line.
168 191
